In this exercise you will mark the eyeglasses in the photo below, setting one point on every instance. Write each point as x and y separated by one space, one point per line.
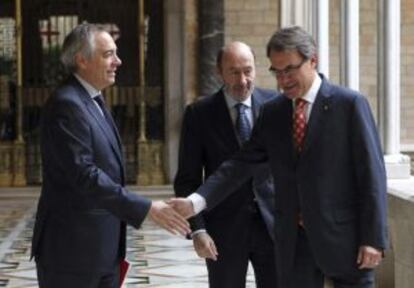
288 71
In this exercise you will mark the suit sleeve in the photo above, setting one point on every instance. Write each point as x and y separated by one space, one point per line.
238 169
72 150
190 161
370 175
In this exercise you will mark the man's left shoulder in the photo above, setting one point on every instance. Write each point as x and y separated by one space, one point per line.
341 93
265 94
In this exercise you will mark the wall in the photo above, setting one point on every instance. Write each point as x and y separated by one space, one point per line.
253 22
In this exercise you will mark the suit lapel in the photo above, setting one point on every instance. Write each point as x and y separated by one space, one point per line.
317 117
110 132
287 130
257 102
281 134
223 122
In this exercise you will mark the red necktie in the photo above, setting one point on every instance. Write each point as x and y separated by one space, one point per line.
299 123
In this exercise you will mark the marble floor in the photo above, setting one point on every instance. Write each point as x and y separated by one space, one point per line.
158 259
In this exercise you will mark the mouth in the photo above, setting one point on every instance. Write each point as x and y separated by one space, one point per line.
290 88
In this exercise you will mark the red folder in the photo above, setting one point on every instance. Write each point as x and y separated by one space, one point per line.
123 270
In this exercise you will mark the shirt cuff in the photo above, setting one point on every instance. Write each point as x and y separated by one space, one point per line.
198 232
199 203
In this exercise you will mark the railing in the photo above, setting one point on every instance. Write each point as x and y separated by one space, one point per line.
125 104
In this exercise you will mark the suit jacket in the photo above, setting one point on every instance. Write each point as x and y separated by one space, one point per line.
83 207
208 138
338 182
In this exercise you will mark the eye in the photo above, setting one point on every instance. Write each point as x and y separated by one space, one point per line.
248 72
109 54
288 69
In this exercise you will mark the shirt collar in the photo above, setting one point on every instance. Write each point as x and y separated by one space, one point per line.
310 96
231 102
89 88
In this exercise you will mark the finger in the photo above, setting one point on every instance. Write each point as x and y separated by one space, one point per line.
180 222
368 263
210 255
172 224
175 228
182 228
365 260
212 251
359 258
214 248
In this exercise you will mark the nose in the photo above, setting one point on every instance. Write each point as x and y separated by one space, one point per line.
243 79
282 78
117 60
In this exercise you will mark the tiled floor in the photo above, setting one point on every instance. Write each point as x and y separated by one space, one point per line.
158 259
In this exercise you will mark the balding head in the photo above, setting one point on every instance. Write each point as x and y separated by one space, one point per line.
235 65
233 49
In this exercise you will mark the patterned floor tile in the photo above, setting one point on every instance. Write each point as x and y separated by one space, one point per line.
158 259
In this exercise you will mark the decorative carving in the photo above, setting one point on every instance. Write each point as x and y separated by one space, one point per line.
19 164
6 177
150 168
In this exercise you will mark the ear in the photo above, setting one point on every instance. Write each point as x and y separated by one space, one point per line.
314 60
219 73
80 61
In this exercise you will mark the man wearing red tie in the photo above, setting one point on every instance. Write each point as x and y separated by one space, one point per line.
322 145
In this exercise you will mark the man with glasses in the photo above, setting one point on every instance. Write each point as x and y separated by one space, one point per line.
323 148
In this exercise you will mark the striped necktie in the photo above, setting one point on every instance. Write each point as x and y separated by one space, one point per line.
242 123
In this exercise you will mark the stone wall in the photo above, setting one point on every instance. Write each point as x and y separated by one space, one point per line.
407 70
401 226
253 22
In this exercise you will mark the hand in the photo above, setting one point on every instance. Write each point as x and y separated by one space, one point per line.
183 206
368 257
165 216
204 246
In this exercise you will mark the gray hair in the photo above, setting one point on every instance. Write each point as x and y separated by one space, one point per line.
292 38
80 39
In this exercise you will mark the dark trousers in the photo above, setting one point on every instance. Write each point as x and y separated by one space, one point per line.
308 274
48 278
256 246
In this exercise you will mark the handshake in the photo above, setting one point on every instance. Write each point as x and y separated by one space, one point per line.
172 215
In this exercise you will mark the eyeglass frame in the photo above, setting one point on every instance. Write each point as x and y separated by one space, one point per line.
287 71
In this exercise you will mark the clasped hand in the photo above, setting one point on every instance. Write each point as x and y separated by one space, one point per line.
164 215
182 206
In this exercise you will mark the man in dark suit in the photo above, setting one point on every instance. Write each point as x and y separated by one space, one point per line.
322 145
240 228
79 235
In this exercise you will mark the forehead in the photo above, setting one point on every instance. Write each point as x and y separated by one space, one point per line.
281 59
238 58
104 41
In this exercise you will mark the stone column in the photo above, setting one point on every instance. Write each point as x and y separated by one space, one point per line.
174 81
350 44
313 16
296 12
389 20
321 33
211 39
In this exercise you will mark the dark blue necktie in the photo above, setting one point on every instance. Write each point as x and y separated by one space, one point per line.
107 116
101 102
242 123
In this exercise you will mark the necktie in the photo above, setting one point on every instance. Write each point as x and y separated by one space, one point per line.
101 102
299 124
242 123
107 115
